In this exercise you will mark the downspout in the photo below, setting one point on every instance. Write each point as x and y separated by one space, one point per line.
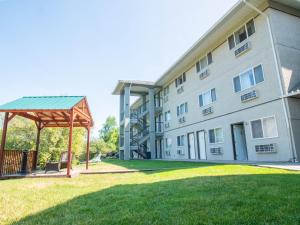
290 133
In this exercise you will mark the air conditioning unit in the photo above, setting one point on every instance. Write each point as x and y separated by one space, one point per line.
182 120
243 49
167 125
180 152
267 148
216 151
166 99
180 90
207 111
249 96
203 74
168 153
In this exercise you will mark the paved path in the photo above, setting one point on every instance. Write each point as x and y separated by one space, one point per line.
294 167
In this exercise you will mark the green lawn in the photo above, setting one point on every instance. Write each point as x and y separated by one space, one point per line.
201 194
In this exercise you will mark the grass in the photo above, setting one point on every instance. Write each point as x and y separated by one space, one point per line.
197 194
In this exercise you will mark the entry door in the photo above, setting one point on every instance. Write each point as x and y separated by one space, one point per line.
239 141
192 150
201 145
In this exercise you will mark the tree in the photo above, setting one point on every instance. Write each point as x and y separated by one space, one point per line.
109 134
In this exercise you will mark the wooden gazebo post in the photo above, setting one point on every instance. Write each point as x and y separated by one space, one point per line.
88 147
70 143
3 141
37 145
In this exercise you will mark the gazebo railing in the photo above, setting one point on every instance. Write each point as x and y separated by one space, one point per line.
14 159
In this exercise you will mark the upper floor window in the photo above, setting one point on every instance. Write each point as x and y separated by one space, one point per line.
264 128
215 135
168 116
180 80
207 97
182 109
248 79
168 143
166 90
241 34
180 140
204 62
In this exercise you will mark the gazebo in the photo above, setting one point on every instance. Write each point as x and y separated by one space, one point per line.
47 111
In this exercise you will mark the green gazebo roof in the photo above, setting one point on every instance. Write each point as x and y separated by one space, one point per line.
43 103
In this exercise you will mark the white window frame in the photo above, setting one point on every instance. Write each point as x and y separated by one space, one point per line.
212 102
182 141
255 84
214 129
261 119
167 119
166 90
207 64
168 147
184 109
241 43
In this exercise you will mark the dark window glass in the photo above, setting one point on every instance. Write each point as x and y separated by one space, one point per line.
250 27
212 138
257 130
213 95
259 75
197 66
231 42
183 77
237 84
240 35
176 83
200 100
209 58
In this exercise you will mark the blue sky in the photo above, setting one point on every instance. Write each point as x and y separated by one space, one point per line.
83 47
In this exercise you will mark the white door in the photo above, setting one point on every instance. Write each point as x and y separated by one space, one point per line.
240 142
192 146
201 145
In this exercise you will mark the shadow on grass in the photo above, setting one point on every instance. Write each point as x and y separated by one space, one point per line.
156 164
241 199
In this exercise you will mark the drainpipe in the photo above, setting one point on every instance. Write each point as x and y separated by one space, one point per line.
289 128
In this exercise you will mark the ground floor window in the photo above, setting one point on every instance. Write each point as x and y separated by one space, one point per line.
264 128
216 135
180 140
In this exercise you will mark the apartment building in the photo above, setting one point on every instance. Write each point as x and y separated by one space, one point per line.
235 95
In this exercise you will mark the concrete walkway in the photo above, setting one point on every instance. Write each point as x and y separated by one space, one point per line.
295 167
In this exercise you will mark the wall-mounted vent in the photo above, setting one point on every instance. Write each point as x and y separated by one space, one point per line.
203 74
243 49
166 99
268 148
180 152
168 153
181 120
249 96
207 111
167 125
216 151
180 90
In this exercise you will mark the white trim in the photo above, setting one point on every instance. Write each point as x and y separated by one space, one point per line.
239 75
214 129
212 102
262 124
233 34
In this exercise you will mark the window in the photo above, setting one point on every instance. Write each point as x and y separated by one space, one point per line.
215 135
168 143
182 109
242 34
248 79
166 91
180 140
180 80
207 97
168 116
250 28
204 62
264 128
